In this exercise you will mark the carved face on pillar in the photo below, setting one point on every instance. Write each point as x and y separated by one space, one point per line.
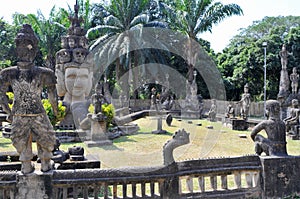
63 56
72 41
79 55
83 42
78 83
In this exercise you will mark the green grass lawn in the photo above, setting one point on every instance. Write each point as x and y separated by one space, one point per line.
145 148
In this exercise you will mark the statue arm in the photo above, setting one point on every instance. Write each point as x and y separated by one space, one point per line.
3 97
52 95
257 129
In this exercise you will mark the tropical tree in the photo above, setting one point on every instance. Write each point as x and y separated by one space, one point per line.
242 60
192 17
48 30
7 50
113 40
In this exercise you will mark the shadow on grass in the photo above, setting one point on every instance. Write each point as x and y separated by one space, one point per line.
150 133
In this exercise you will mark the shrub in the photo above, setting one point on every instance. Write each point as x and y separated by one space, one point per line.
107 109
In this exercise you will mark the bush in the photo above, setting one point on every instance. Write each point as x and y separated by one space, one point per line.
107 109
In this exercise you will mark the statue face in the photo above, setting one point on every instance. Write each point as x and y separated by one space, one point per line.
71 42
63 56
26 51
77 81
79 55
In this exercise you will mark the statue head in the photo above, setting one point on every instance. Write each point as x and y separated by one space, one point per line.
273 109
72 41
63 56
295 103
79 55
294 70
246 88
26 44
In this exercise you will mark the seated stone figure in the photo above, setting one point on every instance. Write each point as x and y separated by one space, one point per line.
275 144
293 119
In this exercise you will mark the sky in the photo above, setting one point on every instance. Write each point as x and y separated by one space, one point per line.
254 10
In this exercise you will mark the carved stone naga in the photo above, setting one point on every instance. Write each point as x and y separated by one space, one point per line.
181 137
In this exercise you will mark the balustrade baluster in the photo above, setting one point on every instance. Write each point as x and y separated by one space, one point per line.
133 190
213 182
85 192
248 176
115 190
65 192
124 188
143 189
237 179
75 192
96 191
189 184
105 191
152 189
224 182
255 178
201 183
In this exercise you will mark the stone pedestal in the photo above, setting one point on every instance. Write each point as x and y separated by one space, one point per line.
34 185
159 127
280 176
239 124
98 132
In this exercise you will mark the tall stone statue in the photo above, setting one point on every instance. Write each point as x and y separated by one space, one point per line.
294 77
275 143
28 116
74 72
284 56
245 102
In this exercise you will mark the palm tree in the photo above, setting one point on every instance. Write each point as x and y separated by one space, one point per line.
48 30
113 40
192 17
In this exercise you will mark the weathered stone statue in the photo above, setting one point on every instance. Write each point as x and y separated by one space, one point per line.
74 72
245 102
28 116
230 112
181 137
294 77
97 98
284 56
275 144
293 118
212 113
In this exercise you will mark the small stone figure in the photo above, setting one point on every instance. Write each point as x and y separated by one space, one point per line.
293 119
230 112
294 77
169 119
212 113
275 144
97 98
28 116
245 102
284 56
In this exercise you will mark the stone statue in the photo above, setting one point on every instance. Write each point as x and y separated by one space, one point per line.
74 72
230 112
293 118
275 144
245 102
181 137
284 56
97 98
294 77
212 113
28 116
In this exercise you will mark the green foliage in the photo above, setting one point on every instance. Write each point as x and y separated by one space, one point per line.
61 112
243 60
107 109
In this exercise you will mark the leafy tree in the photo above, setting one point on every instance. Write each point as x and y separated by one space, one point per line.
192 17
7 50
243 60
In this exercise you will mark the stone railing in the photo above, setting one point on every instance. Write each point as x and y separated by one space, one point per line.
233 177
